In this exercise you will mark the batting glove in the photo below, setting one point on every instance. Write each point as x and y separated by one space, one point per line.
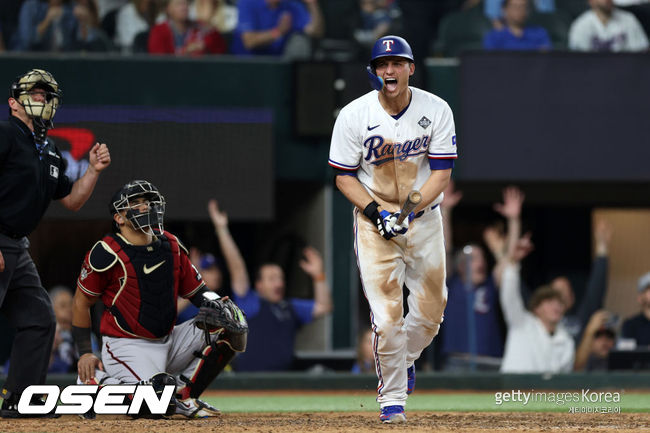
380 220
402 228
390 221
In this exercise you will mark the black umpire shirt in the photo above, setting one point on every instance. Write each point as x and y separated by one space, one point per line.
29 178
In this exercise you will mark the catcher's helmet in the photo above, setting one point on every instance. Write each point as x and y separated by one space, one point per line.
148 221
385 47
21 90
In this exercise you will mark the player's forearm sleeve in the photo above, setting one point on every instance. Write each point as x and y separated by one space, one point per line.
81 338
197 298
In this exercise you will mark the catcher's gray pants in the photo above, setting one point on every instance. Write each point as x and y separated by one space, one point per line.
131 360
27 307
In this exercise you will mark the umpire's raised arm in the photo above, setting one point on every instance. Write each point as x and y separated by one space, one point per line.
100 158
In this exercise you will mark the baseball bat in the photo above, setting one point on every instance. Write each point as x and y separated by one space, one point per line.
412 201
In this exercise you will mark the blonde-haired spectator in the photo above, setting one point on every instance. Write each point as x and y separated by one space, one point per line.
216 14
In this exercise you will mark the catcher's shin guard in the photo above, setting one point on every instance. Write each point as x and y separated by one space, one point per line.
213 359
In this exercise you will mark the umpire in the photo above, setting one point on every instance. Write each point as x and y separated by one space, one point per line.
32 173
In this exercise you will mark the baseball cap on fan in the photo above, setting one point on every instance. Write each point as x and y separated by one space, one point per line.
207 261
644 282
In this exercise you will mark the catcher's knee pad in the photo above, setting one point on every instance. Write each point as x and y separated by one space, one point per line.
237 342
213 359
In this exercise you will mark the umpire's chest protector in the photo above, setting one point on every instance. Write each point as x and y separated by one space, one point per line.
145 304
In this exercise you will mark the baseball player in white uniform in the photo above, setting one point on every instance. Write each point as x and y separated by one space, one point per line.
386 143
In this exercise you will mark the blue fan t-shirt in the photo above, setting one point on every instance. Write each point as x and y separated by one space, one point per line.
533 38
272 330
257 16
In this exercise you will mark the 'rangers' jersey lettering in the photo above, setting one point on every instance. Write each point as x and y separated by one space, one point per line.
382 151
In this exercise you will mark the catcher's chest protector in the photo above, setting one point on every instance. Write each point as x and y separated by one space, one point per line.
146 305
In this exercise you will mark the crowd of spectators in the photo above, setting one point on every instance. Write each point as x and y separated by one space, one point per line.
293 28
546 330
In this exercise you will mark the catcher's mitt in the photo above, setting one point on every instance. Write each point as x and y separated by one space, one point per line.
220 313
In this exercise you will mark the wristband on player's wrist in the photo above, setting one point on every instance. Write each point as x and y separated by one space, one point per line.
372 211
81 338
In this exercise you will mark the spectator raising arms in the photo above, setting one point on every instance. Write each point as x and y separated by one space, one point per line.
536 341
577 316
273 318
179 35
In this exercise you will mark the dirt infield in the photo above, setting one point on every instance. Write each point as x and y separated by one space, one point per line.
362 422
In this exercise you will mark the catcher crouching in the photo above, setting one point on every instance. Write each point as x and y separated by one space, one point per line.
138 271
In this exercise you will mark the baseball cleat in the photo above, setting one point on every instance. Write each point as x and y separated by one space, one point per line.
10 408
392 415
195 408
88 415
410 375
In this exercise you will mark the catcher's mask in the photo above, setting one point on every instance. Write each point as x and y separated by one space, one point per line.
145 215
24 88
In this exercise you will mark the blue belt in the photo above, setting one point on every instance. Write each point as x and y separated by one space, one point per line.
419 214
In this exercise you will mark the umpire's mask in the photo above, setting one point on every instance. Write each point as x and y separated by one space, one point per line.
23 89
148 219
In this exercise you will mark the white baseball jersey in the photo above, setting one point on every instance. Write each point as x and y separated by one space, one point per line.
621 33
391 156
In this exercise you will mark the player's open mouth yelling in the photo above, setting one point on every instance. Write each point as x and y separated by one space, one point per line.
391 84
